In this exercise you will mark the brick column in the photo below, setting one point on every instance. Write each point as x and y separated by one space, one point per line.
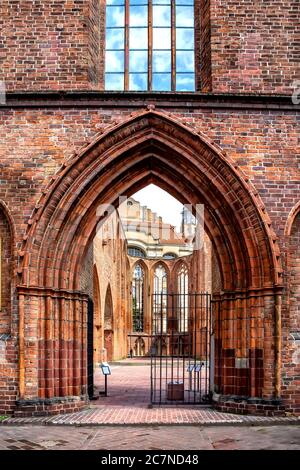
53 351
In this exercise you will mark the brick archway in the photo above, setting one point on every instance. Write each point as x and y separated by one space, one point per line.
149 147
291 308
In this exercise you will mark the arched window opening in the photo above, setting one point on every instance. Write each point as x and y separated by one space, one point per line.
169 256
183 298
136 252
138 298
159 346
160 300
139 347
108 311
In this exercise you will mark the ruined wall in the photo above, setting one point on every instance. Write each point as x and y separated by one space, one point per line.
254 45
110 256
291 332
264 144
241 45
86 275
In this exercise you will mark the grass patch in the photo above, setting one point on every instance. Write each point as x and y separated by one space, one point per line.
2 418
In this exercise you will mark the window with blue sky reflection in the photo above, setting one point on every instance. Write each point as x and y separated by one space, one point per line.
150 45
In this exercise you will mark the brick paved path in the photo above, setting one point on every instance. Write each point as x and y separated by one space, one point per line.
129 384
149 438
143 416
128 401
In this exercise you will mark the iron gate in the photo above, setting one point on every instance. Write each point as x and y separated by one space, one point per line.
181 348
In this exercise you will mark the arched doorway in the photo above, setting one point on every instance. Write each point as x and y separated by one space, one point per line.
152 147
291 336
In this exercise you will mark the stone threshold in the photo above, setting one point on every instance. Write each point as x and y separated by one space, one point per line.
134 416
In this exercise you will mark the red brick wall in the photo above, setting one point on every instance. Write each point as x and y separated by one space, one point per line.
254 46
203 50
263 144
8 345
94 43
44 44
6 274
243 46
203 45
86 275
291 352
8 374
295 274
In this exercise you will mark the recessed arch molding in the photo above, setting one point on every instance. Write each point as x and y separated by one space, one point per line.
150 147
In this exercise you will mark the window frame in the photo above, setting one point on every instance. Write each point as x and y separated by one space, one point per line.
141 253
160 298
174 74
182 288
138 293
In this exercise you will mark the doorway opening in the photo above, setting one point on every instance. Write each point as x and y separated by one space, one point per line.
57 262
153 275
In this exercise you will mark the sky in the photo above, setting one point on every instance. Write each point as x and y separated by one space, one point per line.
162 203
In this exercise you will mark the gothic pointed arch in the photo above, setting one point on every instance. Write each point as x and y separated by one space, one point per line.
151 147
292 302
250 256
108 310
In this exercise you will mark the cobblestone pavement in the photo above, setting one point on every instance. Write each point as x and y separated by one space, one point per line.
149 438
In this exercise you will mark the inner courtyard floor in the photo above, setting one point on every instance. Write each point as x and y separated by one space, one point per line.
128 403
128 384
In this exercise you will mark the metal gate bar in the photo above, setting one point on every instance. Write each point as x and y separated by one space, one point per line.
180 348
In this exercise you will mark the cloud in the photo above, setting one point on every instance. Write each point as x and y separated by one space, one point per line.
138 16
185 61
185 16
115 38
138 61
161 38
138 38
114 81
161 61
138 82
114 61
184 38
161 15
185 82
115 16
